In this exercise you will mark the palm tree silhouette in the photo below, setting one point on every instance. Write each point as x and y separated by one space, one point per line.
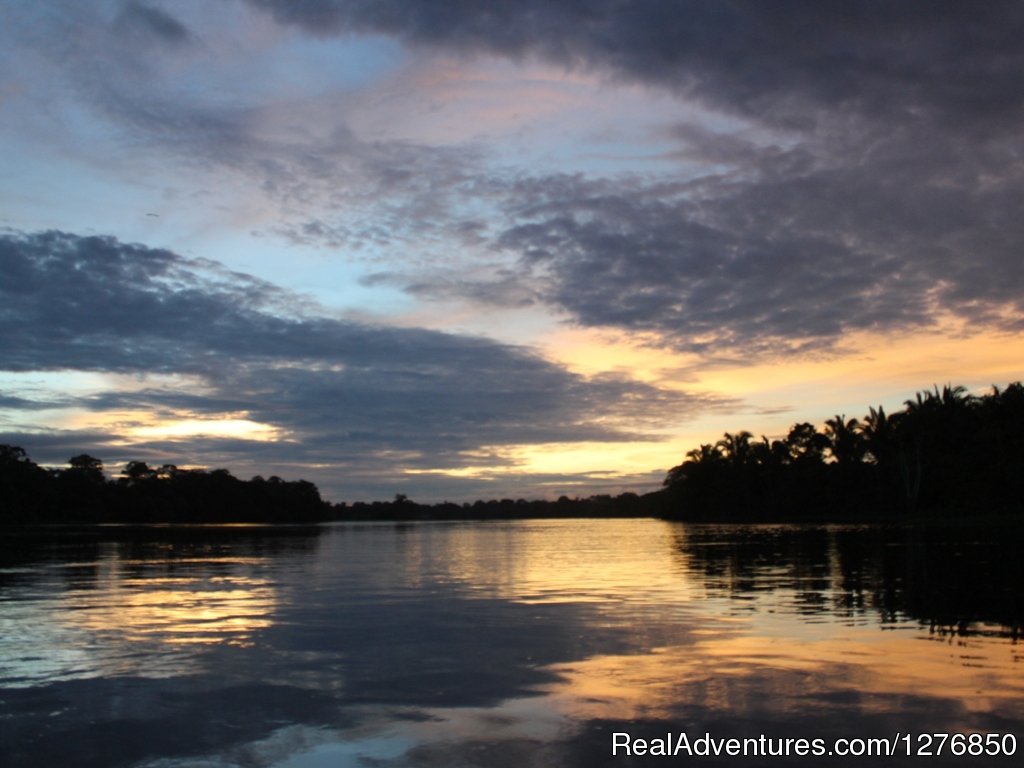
736 448
846 442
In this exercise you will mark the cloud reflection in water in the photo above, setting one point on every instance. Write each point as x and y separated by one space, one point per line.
524 642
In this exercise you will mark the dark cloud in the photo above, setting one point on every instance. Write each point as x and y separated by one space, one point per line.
774 61
93 303
170 105
502 288
55 446
869 177
347 397
15 402
873 182
142 19
787 248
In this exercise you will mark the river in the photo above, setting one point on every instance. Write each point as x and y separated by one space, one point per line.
513 643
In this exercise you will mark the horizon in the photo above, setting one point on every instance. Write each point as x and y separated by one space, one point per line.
496 252
111 474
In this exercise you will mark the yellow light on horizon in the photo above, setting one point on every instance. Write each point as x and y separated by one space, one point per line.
241 429
629 463
460 471
126 427
612 459
769 394
904 362
590 352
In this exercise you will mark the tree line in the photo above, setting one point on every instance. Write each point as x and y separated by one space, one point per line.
81 493
946 452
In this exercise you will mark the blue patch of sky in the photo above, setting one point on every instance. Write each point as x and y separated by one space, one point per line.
47 191
329 277
322 65
294 68
47 385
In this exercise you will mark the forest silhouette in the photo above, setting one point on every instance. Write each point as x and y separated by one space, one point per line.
81 493
947 453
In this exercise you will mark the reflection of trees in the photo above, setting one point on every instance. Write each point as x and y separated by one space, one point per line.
740 561
952 579
145 552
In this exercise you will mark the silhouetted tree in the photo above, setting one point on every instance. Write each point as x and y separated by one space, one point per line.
87 467
137 471
26 491
846 443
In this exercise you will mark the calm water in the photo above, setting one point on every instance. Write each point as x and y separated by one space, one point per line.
523 643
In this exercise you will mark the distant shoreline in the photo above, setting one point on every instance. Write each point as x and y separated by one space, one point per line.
946 455
919 521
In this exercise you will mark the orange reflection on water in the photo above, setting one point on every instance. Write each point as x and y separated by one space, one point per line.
977 671
197 616
175 610
732 672
132 617
548 561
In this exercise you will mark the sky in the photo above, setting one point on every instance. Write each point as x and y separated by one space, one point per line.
521 249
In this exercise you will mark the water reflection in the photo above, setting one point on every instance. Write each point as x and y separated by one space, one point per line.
954 580
547 561
524 642
175 611
80 605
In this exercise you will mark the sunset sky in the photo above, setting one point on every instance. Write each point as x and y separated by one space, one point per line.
465 250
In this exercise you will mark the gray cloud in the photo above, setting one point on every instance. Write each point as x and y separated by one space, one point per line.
502 287
349 397
15 402
772 61
153 23
783 248
142 73
874 183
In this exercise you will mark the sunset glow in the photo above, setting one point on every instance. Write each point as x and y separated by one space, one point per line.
242 429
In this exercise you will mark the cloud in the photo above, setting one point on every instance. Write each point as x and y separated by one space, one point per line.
774 62
55 446
866 174
15 402
211 109
345 396
154 23
777 249
497 286
862 169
